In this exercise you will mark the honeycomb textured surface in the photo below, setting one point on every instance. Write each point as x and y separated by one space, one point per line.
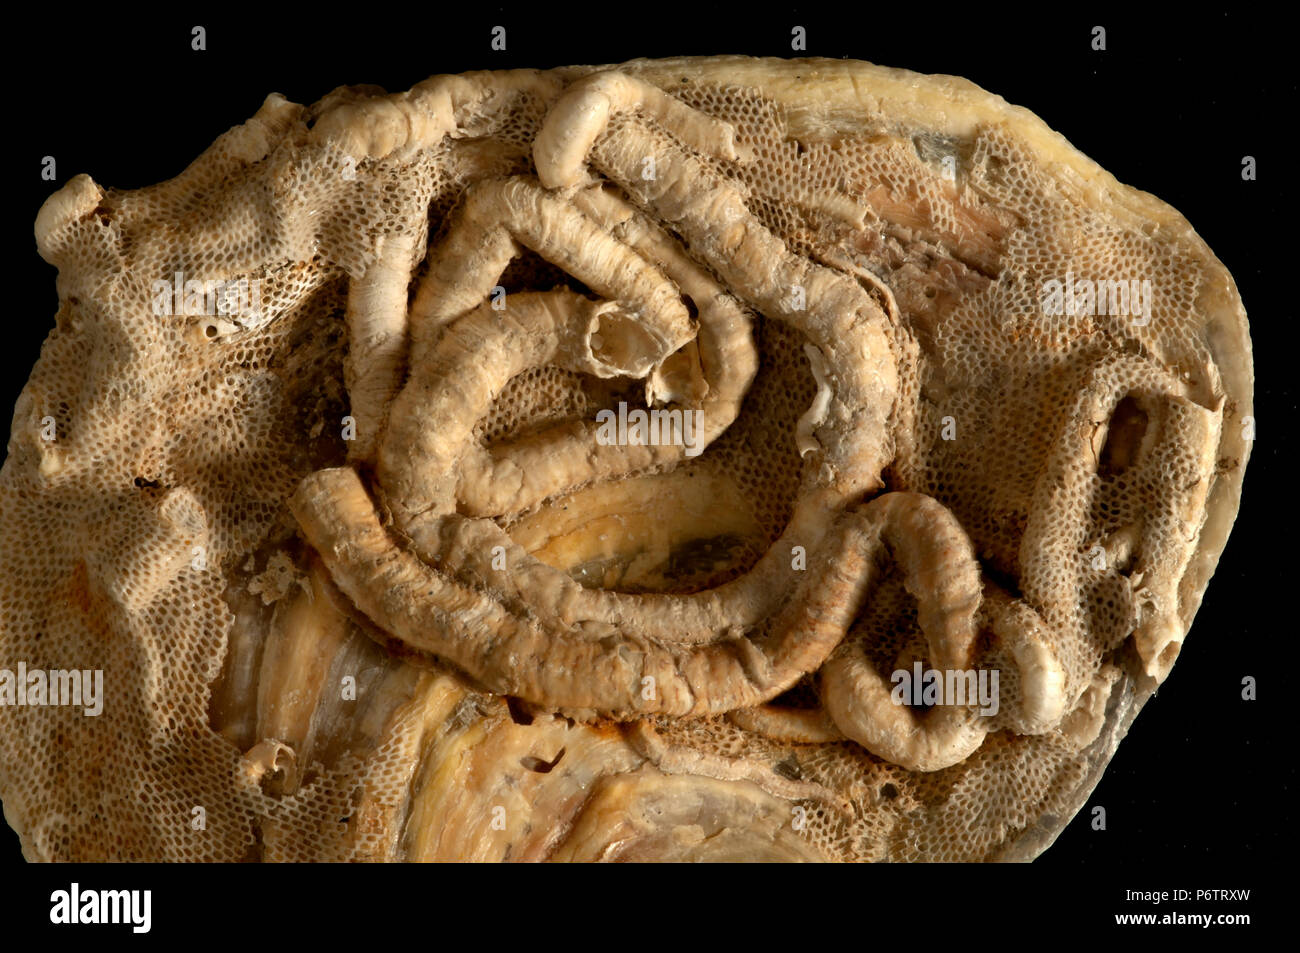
151 537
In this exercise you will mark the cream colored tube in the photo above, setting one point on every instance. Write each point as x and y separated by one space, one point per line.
940 571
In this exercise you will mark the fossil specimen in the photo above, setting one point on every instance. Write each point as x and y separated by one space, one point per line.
609 463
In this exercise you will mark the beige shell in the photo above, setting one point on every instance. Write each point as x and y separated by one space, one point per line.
340 524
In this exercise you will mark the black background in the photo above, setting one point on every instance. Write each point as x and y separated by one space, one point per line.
1170 107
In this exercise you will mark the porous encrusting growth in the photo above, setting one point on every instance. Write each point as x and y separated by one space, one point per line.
594 463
